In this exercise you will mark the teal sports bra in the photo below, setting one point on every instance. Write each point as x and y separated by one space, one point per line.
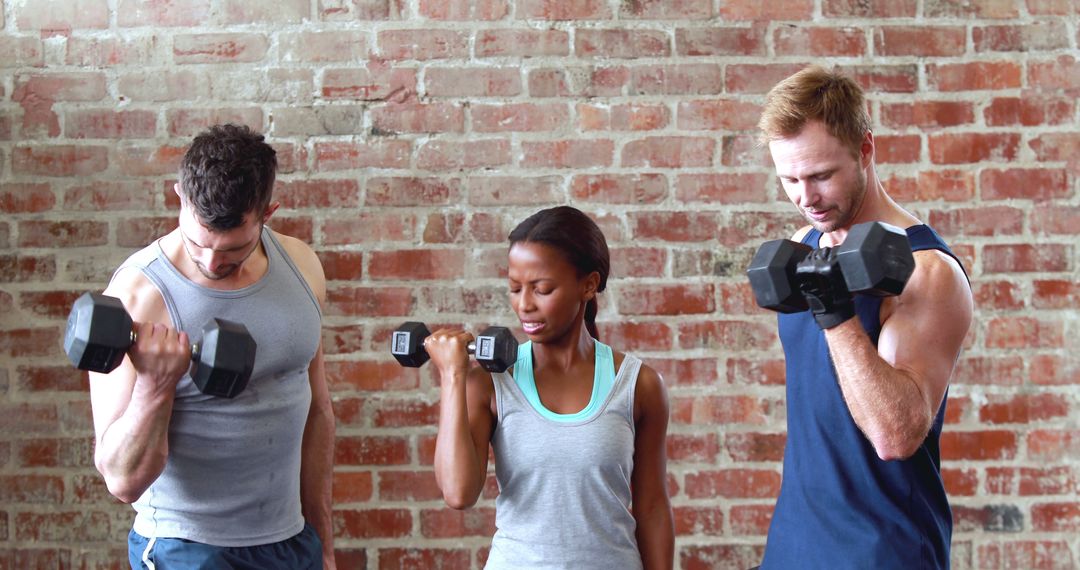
603 381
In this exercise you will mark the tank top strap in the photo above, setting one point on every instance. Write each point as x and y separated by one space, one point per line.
603 382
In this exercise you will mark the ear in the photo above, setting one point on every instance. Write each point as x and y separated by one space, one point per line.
866 150
270 211
591 283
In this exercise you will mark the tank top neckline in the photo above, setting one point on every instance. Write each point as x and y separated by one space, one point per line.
604 378
265 238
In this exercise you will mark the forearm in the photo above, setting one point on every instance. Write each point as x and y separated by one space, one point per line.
656 536
885 402
316 477
133 450
457 467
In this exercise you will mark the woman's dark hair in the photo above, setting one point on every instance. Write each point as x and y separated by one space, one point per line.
578 238
227 173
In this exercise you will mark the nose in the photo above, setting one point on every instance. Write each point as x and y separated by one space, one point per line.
524 304
215 260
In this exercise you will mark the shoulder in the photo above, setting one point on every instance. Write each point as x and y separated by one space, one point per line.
801 233
937 288
306 260
139 295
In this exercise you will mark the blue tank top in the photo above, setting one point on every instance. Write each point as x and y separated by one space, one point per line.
232 477
841 506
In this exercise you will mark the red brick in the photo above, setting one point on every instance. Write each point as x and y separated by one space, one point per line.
245 12
53 452
412 192
522 43
964 148
519 117
1052 7
720 409
408 486
317 193
666 9
1048 369
59 160
756 77
749 447
1024 332
960 482
764 11
368 301
190 122
342 266
472 81
50 304
21 51
373 450
444 228
1053 445
1022 258
714 556
754 227
901 78
1055 294
1036 481
149 161
1044 554
379 153
418 118
406 413
352 487
572 153
31 489
1023 409
687 372
983 221
373 83
721 40
692 448
698 521
733 483
1000 9
993 294
680 79
372 523
973 76
420 44
464 10
658 299
63 526
1033 36
107 195
513 191
620 188
718 114
1032 109
1056 517
743 150
986 370
750 520
96 124
585 82
422 559
448 523
341 339
563 9
637 336
820 41
473 154
18 198
43 233
620 43
416 264
138 232
669 152
176 13
920 41
322 46
622 117
927 114
60 17
978 446
336 10
869 8
1024 183
1060 73
219 48
1052 147
898 149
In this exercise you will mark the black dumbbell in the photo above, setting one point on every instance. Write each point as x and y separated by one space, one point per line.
875 259
100 332
495 348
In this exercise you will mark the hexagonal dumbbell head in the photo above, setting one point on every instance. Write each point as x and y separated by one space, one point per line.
876 259
224 359
98 333
495 349
772 275
407 344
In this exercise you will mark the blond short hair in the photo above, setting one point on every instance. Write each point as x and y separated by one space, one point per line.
816 94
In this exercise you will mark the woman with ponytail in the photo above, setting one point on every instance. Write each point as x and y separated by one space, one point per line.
577 429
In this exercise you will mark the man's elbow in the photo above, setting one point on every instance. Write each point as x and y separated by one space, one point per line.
459 501
897 447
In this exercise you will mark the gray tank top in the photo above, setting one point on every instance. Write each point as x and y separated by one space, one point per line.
232 477
564 487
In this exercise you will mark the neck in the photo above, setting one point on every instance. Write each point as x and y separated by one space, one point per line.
877 206
575 348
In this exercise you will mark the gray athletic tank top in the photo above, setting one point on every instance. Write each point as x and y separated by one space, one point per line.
232 477
564 487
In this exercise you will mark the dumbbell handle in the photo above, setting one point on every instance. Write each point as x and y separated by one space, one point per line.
194 348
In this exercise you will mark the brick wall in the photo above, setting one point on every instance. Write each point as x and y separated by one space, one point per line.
414 134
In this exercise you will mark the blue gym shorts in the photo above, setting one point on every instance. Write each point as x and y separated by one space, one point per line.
301 552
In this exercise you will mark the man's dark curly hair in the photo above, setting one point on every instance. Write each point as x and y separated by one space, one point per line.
227 173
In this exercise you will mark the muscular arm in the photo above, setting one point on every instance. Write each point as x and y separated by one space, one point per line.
132 405
893 391
465 420
651 506
317 454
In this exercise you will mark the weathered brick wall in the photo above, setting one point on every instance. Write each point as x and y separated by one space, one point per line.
413 134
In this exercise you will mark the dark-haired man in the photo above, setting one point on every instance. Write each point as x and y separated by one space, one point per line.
221 482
